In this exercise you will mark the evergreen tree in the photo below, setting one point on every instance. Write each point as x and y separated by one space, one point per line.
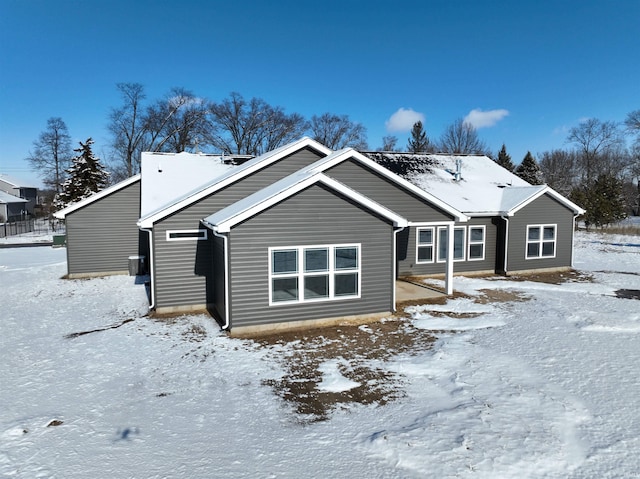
504 159
85 176
418 142
529 170
602 199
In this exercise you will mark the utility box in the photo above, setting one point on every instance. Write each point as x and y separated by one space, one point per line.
59 240
137 265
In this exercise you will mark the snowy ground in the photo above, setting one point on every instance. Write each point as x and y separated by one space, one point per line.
544 384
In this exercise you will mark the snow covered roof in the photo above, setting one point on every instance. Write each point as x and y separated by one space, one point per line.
6 198
147 220
223 220
167 176
484 188
14 182
341 155
61 214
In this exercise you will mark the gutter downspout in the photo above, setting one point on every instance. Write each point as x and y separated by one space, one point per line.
151 263
573 237
448 277
225 242
506 243
395 265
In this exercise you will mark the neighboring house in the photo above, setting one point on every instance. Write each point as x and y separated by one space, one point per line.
513 226
21 190
11 207
303 233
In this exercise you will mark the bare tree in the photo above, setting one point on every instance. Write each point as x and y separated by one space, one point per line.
52 153
128 125
599 146
461 138
389 143
252 127
560 170
177 122
337 131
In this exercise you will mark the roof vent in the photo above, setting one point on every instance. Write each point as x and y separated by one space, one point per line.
458 174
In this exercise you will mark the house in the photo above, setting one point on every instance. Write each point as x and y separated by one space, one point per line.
21 190
11 207
513 226
221 247
303 234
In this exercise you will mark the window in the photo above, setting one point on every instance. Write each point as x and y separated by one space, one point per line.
186 235
425 243
476 243
541 241
314 273
458 244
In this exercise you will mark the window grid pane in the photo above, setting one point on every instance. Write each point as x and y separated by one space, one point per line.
284 289
346 258
284 261
316 287
346 284
316 259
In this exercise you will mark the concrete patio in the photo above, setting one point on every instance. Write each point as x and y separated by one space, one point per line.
409 291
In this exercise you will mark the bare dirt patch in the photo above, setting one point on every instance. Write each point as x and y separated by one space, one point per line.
358 348
553 277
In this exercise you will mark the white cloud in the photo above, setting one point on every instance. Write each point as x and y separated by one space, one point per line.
403 120
483 119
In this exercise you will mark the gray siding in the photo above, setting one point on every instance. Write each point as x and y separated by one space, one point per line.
298 221
385 192
176 281
102 235
407 265
544 210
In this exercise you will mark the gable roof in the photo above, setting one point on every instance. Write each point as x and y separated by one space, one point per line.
484 188
349 153
230 177
223 220
61 214
7 198
14 182
166 176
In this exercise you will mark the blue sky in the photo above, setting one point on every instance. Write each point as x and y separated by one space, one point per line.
525 71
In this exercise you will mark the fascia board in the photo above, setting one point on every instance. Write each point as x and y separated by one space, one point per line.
225 225
61 214
569 204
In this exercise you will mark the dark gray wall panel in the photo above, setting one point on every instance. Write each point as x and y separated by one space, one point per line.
102 235
385 192
298 221
544 210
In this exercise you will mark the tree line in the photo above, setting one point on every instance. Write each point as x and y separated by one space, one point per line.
181 121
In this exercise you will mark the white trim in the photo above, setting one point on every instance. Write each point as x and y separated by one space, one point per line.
541 241
300 274
61 214
225 219
419 245
233 176
470 242
151 268
569 204
202 235
418 224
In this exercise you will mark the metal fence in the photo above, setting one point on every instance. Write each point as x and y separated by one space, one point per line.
17 228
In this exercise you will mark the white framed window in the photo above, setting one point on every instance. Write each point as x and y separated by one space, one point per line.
459 234
186 235
301 274
541 241
475 247
425 245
